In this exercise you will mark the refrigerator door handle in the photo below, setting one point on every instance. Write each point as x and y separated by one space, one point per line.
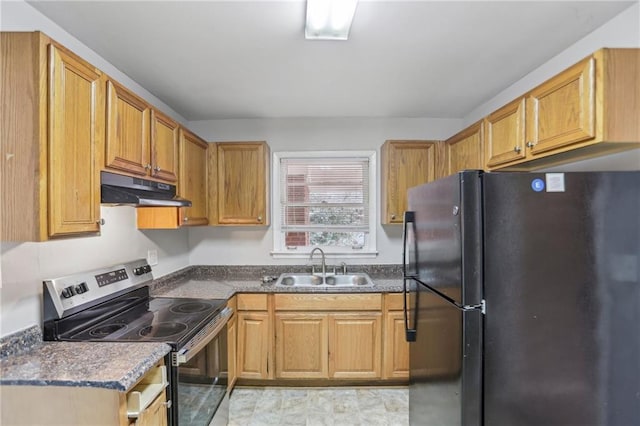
410 333
409 217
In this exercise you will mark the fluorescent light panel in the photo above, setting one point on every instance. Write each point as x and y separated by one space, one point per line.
329 19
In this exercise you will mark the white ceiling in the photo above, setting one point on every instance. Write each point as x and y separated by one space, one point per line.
242 59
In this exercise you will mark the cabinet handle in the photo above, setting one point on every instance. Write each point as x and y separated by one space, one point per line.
167 404
259 218
101 221
185 219
157 169
147 167
517 149
393 217
530 144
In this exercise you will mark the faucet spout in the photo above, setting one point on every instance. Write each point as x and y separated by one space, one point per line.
324 265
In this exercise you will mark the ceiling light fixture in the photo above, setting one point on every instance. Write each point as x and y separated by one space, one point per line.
329 19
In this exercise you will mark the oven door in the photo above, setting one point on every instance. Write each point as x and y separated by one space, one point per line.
200 378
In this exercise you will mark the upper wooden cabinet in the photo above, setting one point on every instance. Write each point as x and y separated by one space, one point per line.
464 150
140 140
164 147
240 193
505 134
52 139
128 122
192 186
591 108
193 179
404 164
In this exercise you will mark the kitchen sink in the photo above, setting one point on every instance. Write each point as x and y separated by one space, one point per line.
315 280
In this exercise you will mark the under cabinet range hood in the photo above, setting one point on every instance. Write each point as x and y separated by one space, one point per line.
131 191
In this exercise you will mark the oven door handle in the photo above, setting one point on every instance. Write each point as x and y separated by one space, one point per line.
202 339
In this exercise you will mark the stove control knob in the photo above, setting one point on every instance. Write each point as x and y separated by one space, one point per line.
67 292
147 269
138 271
81 288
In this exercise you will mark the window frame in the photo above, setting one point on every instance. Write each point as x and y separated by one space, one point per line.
279 249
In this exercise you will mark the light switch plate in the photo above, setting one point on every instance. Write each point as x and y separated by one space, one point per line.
152 257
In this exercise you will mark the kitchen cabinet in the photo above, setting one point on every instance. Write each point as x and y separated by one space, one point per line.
355 344
141 141
404 164
589 109
505 136
334 336
76 406
232 339
254 344
464 150
52 126
302 345
241 192
395 362
193 186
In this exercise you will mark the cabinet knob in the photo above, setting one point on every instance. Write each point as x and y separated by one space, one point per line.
148 167
393 217
186 219
157 169
517 149
101 221
259 218
530 144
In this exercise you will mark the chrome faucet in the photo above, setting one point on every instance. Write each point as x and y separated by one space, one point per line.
324 265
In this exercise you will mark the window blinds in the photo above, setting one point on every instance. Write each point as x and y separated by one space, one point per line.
324 194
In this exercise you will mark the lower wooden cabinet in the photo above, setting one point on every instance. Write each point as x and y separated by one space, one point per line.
302 345
321 337
355 345
396 348
79 406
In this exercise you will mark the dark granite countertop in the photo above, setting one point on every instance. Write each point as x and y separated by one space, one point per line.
223 282
115 366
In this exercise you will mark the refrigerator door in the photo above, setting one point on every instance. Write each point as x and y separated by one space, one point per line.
444 253
445 362
562 288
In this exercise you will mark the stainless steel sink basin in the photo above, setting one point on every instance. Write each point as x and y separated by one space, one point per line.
308 280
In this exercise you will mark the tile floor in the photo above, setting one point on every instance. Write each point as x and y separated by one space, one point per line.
319 406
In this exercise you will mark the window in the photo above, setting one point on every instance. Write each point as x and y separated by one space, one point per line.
324 199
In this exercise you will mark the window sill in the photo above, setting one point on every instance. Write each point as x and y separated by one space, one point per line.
333 255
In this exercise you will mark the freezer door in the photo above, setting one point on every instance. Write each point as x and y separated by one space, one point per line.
445 362
562 340
444 243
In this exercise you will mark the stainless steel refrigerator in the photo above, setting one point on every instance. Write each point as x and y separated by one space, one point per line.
522 299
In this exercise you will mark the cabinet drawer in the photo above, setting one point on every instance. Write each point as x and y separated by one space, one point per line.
332 302
252 302
395 301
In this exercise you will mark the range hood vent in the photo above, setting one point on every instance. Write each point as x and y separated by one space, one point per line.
130 191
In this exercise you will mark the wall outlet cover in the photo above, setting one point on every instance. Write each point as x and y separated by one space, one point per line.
152 257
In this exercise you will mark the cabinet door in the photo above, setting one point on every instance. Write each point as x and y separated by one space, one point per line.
561 111
127 131
243 183
232 338
355 345
253 345
155 414
193 179
464 151
301 345
505 134
404 164
76 138
164 147
396 348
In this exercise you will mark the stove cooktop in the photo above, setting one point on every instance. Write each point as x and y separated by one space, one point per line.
160 319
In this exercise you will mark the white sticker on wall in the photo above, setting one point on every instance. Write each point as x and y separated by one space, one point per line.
555 182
